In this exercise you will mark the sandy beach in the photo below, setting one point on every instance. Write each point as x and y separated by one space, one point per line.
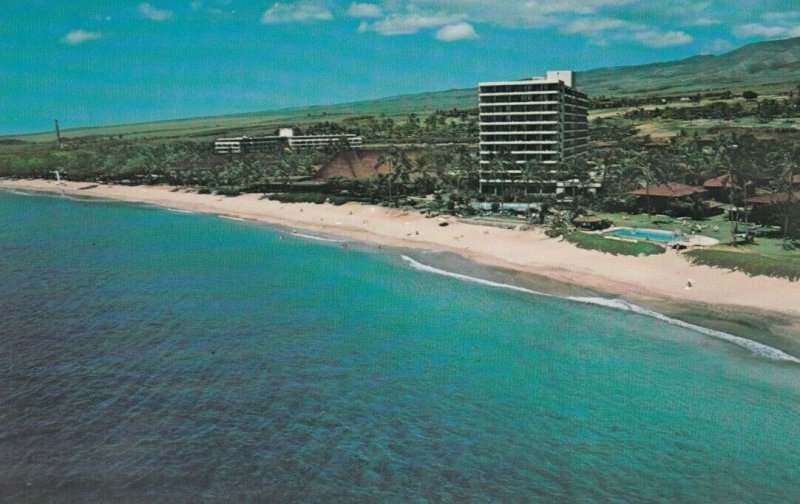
658 282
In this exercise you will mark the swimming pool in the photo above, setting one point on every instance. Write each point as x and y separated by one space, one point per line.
647 234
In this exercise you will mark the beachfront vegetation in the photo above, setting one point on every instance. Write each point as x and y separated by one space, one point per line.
749 263
615 247
317 198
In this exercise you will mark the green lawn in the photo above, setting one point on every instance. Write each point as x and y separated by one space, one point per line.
765 256
772 246
615 247
749 263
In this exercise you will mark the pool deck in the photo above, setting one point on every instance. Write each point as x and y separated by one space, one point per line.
688 239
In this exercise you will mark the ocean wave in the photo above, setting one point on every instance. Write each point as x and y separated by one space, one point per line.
430 269
18 192
233 218
178 210
757 348
312 237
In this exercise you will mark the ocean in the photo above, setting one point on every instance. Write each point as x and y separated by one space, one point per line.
155 355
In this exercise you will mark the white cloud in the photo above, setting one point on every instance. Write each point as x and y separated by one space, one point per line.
153 13
305 11
593 26
657 39
780 16
765 31
600 21
364 10
703 21
600 30
459 31
573 7
407 24
716 46
76 37
517 13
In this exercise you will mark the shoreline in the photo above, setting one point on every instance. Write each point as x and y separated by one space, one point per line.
762 309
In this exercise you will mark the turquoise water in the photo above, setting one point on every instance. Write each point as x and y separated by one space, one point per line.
644 234
152 355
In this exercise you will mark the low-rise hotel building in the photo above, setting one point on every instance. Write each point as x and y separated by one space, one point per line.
540 121
285 138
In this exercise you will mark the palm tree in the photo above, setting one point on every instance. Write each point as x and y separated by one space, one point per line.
738 162
392 157
287 167
786 159
536 173
531 174
649 166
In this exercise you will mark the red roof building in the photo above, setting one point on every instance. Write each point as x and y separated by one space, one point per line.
669 190
772 198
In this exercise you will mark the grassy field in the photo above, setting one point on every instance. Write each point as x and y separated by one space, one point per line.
764 256
265 123
663 128
748 263
615 247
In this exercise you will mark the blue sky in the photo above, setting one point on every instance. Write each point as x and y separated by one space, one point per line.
113 62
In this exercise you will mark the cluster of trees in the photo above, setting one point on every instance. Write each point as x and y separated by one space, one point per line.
764 109
603 102
743 158
441 126
142 162
447 173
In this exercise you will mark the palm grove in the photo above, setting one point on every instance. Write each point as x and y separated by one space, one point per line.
432 164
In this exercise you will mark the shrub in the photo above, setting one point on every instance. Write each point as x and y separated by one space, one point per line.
338 200
317 198
228 191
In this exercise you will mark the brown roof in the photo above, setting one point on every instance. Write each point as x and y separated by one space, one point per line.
771 198
354 164
669 190
720 182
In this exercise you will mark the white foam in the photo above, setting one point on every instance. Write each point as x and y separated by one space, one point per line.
178 210
233 218
19 193
312 237
757 348
84 199
430 269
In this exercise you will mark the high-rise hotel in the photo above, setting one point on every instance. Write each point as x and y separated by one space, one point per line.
538 123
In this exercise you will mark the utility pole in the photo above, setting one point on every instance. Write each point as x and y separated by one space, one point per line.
58 135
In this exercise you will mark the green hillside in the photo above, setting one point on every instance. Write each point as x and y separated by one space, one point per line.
265 123
767 67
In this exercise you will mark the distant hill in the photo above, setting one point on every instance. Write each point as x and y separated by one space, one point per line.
773 65
765 67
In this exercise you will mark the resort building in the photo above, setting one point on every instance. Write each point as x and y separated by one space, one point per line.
660 198
538 124
284 138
